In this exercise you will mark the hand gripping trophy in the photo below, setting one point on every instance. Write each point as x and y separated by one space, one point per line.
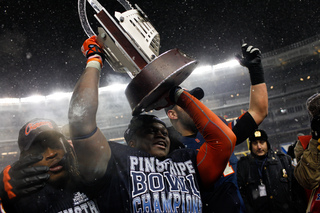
131 45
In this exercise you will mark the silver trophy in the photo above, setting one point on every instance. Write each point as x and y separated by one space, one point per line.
131 45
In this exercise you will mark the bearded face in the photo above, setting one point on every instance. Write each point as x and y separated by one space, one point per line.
185 119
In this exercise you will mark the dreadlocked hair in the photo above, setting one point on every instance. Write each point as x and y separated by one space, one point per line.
71 159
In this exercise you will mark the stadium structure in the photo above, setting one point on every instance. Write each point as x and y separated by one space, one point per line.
291 73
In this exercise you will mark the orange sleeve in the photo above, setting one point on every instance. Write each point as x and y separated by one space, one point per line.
219 143
7 186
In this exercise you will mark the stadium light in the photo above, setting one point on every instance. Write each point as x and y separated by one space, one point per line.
58 96
202 69
33 99
9 100
226 65
211 68
113 88
116 87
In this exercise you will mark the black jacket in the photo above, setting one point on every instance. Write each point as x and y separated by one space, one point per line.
284 194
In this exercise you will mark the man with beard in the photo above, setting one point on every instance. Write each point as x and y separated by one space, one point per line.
225 195
46 176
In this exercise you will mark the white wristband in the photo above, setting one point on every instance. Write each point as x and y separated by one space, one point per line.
94 64
177 95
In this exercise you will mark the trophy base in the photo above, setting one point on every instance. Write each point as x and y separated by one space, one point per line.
147 88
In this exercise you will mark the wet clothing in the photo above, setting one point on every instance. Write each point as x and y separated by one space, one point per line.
136 181
225 195
307 171
53 200
267 184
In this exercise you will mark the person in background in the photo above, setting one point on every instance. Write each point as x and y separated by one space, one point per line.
143 176
46 176
266 180
291 149
307 151
225 195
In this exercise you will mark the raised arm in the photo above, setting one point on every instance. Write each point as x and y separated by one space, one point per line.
214 154
90 144
258 106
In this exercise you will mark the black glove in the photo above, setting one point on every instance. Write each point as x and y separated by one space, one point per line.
172 94
251 58
197 92
315 127
170 98
20 179
163 102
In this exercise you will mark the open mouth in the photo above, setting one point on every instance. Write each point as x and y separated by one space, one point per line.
57 167
160 144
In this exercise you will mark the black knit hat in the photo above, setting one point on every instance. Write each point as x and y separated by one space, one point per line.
259 134
138 122
32 129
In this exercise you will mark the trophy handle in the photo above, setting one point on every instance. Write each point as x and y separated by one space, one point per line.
83 18
129 43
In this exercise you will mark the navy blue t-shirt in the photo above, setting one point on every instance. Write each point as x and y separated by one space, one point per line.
54 200
136 181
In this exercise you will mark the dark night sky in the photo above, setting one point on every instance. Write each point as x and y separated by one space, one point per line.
40 40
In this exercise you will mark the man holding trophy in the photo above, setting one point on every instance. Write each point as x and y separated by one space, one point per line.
143 176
